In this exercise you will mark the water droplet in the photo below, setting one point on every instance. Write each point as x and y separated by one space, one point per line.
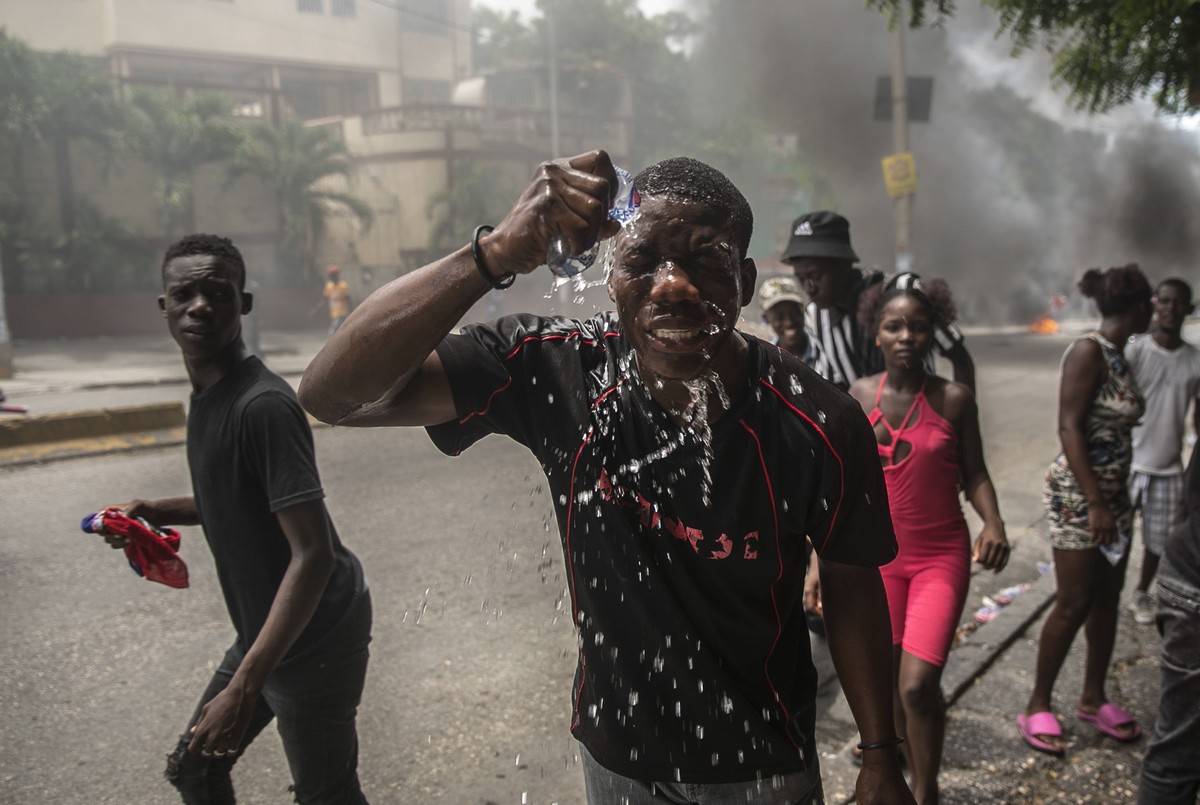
633 698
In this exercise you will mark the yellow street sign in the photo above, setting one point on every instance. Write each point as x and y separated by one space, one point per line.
900 174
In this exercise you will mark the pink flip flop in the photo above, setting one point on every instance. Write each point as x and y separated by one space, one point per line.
1041 723
1109 719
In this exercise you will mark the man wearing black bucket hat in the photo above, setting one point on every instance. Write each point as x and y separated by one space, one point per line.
820 253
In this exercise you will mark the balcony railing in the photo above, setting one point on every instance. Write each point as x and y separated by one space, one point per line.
492 122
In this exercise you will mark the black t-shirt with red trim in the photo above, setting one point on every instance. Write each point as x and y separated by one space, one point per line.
685 564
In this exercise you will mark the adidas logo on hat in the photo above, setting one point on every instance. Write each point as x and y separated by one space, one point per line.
819 234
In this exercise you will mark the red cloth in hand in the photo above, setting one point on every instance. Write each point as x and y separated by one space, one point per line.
152 552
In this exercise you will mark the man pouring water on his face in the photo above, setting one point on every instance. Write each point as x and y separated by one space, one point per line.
687 462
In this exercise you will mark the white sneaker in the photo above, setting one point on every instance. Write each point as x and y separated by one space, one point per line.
1143 607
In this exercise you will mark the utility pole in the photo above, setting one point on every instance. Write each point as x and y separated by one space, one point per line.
6 357
903 203
552 61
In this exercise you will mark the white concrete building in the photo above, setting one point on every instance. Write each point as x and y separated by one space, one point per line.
302 58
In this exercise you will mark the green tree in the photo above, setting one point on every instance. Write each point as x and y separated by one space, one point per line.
481 193
1106 52
77 104
596 40
18 125
48 101
298 162
174 138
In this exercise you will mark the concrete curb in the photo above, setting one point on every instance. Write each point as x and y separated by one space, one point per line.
26 455
969 659
89 424
96 432
966 664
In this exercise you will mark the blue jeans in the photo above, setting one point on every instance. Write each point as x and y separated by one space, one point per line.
605 787
314 700
1171 768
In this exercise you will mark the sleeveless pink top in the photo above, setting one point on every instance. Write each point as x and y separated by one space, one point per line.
923 485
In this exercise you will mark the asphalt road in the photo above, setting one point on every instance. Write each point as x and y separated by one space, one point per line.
467 694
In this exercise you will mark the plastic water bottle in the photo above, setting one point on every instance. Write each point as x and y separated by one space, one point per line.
1114 551
625 206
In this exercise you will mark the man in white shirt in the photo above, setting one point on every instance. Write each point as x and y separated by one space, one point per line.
1167 370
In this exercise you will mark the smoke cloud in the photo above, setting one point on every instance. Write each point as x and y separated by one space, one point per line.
1016 194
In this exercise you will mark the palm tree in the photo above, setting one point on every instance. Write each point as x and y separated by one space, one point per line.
480 192
175 138
77 104
47 100
297 161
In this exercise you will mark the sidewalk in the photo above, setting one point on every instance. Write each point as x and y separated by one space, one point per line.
98 395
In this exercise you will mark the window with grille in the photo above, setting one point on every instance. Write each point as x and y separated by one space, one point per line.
311 6
342 8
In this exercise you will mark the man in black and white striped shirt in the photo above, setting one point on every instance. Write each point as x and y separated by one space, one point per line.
819 252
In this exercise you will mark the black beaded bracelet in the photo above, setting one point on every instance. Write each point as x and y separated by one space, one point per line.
880 744
499 284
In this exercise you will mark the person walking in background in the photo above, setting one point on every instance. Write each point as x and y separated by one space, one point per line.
1089 509
1171 767
296 595
1167 371
782 303
337 295
685 480
843 349
928 434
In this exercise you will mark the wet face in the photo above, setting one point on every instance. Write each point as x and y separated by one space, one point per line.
203 304
679 283
1171 306
819 277
787 320
905 334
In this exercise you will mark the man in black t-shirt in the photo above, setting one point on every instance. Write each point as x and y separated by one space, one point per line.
296 595
820 253
687 462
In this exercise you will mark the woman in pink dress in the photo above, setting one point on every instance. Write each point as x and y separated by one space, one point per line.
930 445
